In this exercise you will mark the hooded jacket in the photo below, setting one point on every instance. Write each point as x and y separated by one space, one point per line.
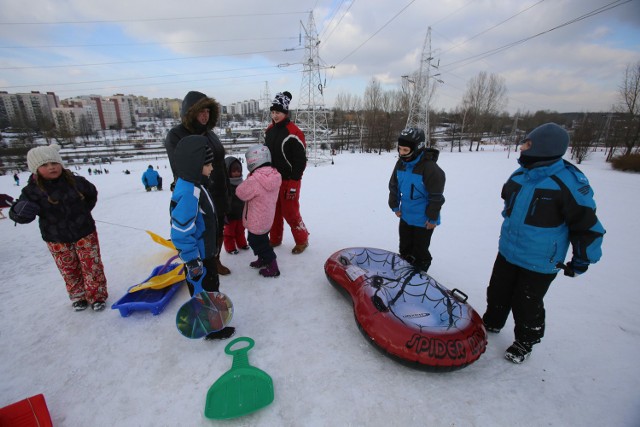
546 208
288 147
150 177
192 103
193 216
260 194
416 188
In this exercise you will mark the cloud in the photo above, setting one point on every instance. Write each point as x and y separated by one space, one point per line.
167 48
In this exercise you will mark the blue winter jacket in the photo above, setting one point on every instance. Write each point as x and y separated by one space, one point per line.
193 216
416 189
546 208
150 178
189 221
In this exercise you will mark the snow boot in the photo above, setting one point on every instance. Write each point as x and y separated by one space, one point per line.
222 334
80 305
518 352
298 249
222 270
270 270
259 263
98 306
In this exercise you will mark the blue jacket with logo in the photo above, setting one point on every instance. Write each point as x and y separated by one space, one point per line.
416 188
546 208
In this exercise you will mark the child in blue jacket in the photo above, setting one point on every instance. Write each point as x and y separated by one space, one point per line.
548 205
151 178
416 196
193 217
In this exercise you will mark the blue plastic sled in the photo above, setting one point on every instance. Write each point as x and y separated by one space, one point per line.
154 300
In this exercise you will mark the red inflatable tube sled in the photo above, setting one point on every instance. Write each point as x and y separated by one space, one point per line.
29 412
405 312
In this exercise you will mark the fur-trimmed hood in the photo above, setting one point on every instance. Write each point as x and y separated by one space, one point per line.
192 103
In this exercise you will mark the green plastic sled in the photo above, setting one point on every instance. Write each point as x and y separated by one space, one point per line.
241 390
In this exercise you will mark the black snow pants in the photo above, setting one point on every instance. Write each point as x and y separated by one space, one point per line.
513 288
414 245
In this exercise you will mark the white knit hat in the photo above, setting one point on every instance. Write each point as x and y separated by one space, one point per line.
38 156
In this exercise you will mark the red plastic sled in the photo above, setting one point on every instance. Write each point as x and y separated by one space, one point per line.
405 313
30 412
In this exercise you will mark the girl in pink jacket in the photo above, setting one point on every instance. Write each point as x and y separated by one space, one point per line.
260 194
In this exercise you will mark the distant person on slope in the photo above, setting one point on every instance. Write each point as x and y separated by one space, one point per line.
416 196
64 202
199 115
288 153
548 204
151 178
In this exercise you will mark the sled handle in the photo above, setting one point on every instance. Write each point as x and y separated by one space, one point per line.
462 296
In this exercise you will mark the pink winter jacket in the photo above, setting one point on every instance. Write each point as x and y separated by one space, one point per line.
260 194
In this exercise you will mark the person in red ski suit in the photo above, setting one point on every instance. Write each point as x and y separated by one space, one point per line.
64 202
287 145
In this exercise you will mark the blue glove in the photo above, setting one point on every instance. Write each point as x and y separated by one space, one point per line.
26 210
194 269
575 268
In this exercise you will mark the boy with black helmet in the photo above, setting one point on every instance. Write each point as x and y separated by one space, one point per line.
416 196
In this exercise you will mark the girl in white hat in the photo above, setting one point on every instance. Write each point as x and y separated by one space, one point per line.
63 202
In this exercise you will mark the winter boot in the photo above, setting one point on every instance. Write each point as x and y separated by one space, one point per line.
518 352
298 249
259 263
222 270
270 270
98 306
222 334
80 305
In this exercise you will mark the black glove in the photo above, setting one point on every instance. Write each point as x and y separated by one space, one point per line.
26 210
575 268
194 269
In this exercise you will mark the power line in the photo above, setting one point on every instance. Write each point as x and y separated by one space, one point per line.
492 52
144 44
138 78
147 60
114 21
376 32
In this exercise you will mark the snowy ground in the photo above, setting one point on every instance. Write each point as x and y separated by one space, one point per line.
100 369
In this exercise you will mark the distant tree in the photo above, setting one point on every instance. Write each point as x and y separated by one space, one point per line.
584 138
629 93
485 97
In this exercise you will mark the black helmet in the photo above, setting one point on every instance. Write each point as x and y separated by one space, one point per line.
412 138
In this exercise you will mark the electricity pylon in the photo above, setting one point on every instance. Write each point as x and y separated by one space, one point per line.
421 89
311 115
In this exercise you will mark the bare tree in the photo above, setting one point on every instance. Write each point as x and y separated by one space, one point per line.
584 137
630 102
485 97
372 104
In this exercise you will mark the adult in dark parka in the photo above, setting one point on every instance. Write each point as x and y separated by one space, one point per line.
199 115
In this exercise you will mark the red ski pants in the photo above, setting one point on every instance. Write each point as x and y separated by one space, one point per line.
288 208
234 236
81 268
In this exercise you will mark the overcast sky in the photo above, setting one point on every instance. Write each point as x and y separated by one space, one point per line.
562 55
